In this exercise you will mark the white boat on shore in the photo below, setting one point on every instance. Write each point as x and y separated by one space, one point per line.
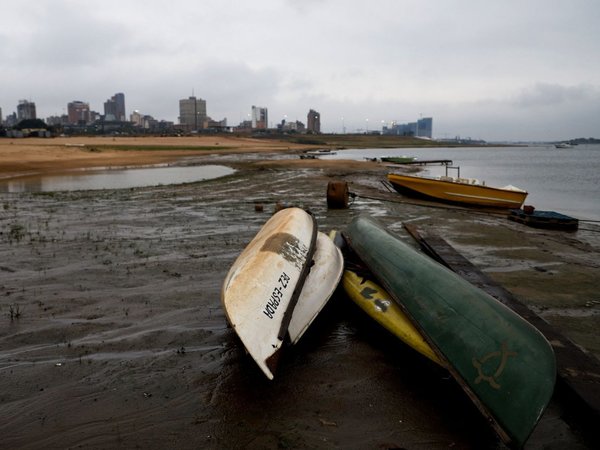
321 282
262 287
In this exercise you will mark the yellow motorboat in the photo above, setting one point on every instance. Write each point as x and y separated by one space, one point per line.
459 190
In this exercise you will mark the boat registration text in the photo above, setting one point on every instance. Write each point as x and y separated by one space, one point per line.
276 296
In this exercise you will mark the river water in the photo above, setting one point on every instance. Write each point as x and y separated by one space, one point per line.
562 180
122 178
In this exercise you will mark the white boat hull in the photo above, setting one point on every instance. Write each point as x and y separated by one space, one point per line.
263 285
324 277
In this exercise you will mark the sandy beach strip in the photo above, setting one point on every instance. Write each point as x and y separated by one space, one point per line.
36 155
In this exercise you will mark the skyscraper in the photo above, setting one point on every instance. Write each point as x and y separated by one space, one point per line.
421 128
425 127
313 121
78 112
192 113
114 108
26 110
260 118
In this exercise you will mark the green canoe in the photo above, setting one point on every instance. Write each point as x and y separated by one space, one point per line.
503 363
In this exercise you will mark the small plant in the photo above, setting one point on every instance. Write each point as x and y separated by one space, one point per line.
17 232
15 311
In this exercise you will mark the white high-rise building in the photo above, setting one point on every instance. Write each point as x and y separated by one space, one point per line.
260 118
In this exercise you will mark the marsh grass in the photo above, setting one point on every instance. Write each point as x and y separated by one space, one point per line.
200 148
15 311
16 232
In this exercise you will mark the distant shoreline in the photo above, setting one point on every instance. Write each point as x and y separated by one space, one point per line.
34 156
37 155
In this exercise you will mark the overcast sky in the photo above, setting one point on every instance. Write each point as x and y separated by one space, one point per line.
495 70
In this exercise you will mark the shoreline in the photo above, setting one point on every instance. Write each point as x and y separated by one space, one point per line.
121 339
44 155
38 155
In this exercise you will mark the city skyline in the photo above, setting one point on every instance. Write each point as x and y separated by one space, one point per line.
509 71
193 117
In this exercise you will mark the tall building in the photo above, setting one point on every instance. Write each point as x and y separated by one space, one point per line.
1 119
11 120
26 110
192 113
424 127
114 108
313 122
136 118
421 128
144 121
295 126
78 113
260 118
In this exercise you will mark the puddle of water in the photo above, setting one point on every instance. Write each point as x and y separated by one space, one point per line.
114 178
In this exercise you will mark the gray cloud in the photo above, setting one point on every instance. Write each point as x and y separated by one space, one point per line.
547 94
471 66
60 36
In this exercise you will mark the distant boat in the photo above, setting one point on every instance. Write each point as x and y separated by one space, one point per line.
563 145
398 159
322 152
459 190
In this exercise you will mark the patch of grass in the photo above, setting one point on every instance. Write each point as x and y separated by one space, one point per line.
16 232
15 311
50 194
309 141
202 148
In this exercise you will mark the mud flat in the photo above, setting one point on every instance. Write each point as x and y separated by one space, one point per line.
118 340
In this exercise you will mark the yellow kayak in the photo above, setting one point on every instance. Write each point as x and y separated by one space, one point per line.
376 302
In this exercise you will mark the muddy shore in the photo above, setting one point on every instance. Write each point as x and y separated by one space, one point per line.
118 340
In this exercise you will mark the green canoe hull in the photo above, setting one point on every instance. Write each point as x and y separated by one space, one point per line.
503 363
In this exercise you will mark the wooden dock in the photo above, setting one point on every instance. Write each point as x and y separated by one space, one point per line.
578 373
544 219
425 162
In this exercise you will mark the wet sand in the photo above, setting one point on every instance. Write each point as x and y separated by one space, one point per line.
121 341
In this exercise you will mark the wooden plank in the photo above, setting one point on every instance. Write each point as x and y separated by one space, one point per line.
424 162
578 373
